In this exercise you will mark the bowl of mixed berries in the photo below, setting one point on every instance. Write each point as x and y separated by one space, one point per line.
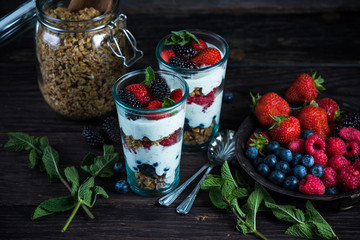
310 151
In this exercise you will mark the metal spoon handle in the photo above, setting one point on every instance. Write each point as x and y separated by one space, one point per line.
172 196
186 205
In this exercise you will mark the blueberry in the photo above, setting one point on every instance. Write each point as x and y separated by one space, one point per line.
300 171
228 97
136 169
277 177
270 148
282 166
150 172
296 159
119 167
122 186
332 190
307 160
166 169
286 155
138 162
317 170
263 169
258 160
251 152
270 160
155 164
291 182
306 133
278 151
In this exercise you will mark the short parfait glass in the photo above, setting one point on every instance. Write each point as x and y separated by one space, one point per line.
152 138
205 92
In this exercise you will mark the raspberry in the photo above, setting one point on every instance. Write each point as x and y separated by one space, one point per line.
349 177
335 146
352 149
176 95
356 164
329 177
311 185
297 145
350 134
320 158
170 140
315 143
338 162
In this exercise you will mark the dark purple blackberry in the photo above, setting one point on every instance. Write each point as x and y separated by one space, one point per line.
184 52
348 119
127 97
159 89
93 137
179 62
111 127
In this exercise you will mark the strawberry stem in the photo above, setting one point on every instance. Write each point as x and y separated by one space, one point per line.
254 100
278 120
318 81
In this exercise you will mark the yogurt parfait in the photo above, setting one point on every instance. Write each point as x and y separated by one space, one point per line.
151 112
200 57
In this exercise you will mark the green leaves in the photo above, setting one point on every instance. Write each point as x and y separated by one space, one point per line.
19 141
287 213
50 159
72 176
167 102
252 207
53 205
101 166
149 76
181 38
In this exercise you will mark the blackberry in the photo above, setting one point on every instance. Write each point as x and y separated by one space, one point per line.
159 89
184 52
179 62
127 97
93 137
111 127
349 119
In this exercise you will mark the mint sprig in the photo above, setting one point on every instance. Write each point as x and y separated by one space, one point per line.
149 76
181 38
47 158
226 191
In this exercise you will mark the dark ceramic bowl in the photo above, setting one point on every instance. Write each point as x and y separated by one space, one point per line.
341 201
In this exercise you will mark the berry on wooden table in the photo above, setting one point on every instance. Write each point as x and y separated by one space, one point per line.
93 137
122 186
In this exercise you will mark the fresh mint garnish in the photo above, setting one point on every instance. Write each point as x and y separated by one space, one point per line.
181 38
167 102
47 158
149 76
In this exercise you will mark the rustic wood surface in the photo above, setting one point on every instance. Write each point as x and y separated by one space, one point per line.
267 52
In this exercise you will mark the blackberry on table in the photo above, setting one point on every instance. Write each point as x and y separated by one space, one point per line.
93 137
179 62
159 89
111 127
184 52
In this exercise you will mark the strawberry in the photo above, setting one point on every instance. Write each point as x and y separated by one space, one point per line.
172 139
155 104
269 104
167 54
198 46
314 118
331 107
258 140
176 95
140 92
285 129
207 57
304 88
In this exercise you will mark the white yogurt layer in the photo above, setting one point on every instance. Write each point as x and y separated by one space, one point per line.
167 158
152 129
196 115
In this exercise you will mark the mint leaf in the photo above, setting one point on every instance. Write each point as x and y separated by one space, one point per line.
101 166
266 195
227 189
85 192
226 174
50 159
252 207
44 142
19 141
235 205
302 230
149 76
211 182
287 213
216 199
240 181
72 176
167 102
181 38
241 227
240 192
33 158
50 206
98 191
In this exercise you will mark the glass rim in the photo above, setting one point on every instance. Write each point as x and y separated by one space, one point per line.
175 68
144 110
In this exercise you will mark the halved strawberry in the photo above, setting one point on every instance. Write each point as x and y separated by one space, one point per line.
155 104
208 56
140 92
176 95
167 54
198 47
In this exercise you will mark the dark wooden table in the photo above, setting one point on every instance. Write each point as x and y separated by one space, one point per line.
267 52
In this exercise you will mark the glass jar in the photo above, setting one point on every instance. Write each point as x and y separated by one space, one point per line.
80 55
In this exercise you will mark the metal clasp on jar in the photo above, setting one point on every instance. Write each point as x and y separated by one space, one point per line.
137 54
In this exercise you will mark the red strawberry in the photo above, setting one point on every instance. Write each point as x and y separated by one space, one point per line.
170 140
335 146
155 104
207 57
205 101
269 104
176 95
311 185
331 108
167 54
285 129
315 118
304 88
297 146
198 47
258 140
140 92
329 177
